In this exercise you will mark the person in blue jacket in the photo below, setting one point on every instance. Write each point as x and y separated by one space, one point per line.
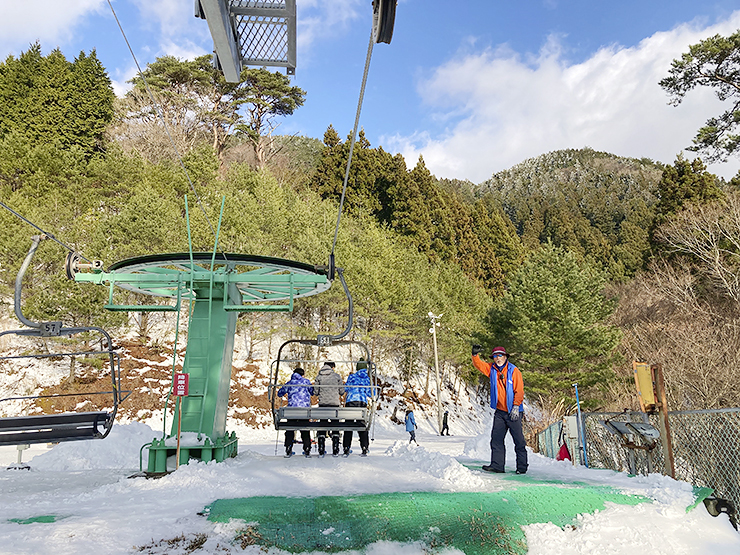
358 391
411 425
299 391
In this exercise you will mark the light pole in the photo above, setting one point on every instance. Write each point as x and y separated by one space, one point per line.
433 331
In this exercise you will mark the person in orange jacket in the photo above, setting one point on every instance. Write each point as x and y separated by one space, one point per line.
507 398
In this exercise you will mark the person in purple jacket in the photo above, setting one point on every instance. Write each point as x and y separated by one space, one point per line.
299 391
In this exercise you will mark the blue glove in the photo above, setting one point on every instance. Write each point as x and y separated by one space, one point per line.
514 414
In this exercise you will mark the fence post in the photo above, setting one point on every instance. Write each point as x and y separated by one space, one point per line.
581 427
665 429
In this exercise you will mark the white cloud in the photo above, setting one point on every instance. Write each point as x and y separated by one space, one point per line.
503 109
179 33
324 19
120 77
48 21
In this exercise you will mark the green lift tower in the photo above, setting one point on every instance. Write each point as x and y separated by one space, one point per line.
215 287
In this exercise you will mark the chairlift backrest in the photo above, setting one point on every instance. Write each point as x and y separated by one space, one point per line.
67 426
322 418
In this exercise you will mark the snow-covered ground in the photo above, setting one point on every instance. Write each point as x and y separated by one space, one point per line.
99 509
94 507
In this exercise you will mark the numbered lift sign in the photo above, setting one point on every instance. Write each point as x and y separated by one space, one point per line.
181 385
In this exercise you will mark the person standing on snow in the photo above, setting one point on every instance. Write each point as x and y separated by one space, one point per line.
299 391
328 386
507 397
411 425
445 426
358 391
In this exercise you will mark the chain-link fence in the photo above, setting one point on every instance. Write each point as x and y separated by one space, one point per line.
706 447
550 439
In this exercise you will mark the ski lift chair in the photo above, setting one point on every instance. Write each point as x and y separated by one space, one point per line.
68 426
321 418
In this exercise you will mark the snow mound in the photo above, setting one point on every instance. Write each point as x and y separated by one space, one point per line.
436 464
119 450
479 447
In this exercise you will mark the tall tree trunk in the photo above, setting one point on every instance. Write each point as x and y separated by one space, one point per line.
259 152
144 326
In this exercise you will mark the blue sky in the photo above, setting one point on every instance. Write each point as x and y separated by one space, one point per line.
474 86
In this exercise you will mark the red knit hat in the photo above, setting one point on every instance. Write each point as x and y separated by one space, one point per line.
499 351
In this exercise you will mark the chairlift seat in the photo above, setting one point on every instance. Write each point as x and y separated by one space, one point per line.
51 428
322 418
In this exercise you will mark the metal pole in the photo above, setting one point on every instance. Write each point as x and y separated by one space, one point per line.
665 429
581 427
179 430
19 281
436 368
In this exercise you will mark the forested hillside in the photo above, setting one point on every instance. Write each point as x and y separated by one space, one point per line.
595 204
578 261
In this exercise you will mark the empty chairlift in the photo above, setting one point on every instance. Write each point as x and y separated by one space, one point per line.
66 426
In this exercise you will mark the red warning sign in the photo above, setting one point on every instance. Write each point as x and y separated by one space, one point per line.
181 385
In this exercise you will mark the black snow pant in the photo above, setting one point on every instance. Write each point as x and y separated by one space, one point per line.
321 438
501 424
364 435
305 438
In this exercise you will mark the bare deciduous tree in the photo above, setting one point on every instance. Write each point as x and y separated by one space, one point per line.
709 234
696 338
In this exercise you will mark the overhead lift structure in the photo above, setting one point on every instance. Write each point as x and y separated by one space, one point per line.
218 286
263 32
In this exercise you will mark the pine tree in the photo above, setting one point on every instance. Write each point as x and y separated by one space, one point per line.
685 182
49 100
714 63
553 318
90 101
197 102
364 176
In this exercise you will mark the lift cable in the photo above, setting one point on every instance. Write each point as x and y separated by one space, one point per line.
45 233
354 134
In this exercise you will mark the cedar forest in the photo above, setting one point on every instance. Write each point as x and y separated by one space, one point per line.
577 261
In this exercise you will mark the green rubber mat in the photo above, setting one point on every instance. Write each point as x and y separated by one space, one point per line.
700 494
34 519
475 523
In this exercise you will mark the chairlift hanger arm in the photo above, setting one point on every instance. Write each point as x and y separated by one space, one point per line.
325 340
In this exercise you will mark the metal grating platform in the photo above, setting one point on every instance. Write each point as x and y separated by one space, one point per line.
251 33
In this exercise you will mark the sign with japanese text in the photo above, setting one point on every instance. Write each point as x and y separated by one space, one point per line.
180 385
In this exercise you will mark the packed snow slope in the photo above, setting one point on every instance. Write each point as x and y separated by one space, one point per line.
78 498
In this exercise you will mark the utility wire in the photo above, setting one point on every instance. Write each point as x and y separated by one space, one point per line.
354 134
161 116
46 233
